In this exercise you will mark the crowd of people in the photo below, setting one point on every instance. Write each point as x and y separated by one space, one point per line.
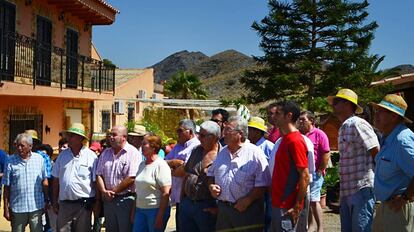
229 175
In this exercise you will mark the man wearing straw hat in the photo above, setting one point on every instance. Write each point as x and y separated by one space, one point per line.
74 182
394 169
256 132
358 144
136 136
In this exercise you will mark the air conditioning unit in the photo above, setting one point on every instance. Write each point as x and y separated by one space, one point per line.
142 94
119 107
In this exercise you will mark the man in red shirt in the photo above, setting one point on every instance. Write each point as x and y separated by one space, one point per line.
290 177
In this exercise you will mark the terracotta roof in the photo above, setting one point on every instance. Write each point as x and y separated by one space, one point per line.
397 80
109 6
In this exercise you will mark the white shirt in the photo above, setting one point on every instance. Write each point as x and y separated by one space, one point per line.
76 174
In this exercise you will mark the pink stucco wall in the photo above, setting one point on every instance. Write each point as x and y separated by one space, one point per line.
26 24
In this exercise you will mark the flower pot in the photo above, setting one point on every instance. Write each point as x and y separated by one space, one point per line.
323 201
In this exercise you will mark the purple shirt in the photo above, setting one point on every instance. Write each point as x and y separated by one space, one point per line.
181 152
320 144
115 168
237 177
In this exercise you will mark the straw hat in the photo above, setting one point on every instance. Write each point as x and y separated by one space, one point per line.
77 128
258 123
32 133
348 95
395 104
139 130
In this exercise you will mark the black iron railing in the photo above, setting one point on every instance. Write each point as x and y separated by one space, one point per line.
25 60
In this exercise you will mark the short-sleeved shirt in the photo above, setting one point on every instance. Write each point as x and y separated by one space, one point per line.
394 168
356 138
114 168
238 176
196 183
181 152
150 178
3 160
291 154
48 163
25 177
76 174
310 150
320 143
266 146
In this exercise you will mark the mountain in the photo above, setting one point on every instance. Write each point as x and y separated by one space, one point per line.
405 68
219 73
179 61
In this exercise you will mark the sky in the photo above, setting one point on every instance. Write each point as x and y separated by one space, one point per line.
147 31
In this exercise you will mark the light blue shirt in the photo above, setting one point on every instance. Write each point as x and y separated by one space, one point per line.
394 167
25 177
181 152
266 147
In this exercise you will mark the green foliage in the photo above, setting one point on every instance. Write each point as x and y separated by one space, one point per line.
130 125
185 86
313 48
162 122
108 63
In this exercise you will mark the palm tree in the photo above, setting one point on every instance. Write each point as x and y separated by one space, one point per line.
184 85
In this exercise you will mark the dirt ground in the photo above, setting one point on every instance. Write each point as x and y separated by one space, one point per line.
331 221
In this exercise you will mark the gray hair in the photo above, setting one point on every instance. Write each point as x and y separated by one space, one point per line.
24 137
212 128
241 125
188 124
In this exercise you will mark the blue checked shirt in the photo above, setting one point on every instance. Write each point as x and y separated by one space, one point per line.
48 163
25 181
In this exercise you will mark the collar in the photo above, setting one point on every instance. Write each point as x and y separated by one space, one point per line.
191 141
393 133
261 140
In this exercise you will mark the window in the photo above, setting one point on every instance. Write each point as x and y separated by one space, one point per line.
106 120
131 112
7 40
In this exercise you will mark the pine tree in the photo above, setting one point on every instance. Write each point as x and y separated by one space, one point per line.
311 48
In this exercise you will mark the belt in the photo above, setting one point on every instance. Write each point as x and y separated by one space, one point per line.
128 194
80 200
227 203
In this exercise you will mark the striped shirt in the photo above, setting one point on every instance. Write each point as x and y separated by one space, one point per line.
356 138
237 177
114 168
25 177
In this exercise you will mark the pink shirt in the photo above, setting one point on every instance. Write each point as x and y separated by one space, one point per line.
115 168
320 143
274 135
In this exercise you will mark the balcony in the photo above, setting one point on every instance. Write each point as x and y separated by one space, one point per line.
27 61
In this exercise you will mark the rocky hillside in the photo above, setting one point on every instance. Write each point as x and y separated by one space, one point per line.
220 73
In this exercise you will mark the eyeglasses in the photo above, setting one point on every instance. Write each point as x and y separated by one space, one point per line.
203 135
180 130
230 130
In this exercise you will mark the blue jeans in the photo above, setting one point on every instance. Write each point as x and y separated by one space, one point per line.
357 210
193 218
144 220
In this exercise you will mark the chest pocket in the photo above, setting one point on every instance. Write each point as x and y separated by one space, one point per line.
84 172
388 168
